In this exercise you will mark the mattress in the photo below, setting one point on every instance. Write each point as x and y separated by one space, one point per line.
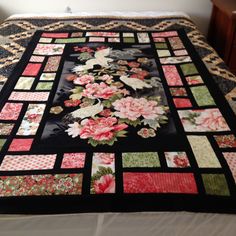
18 30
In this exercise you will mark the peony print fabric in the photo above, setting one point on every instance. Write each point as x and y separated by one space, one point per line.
115 121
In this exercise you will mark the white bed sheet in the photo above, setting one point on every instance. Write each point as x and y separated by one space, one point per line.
120 224
117 224
104 13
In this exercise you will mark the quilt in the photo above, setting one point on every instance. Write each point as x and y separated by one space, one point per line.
112 120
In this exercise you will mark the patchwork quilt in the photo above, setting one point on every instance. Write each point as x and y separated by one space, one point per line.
115 120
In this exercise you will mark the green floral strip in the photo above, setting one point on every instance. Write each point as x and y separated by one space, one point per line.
140 159
202 96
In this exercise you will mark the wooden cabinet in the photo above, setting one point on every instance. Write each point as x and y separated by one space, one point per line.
222 31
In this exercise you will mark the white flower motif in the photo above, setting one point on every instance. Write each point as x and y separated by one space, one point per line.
74 130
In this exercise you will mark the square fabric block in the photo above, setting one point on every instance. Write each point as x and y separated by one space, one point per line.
129 40
152 182
177 159
182 102
226 141
37 59
189 69
113 40
195 79
163 53
31 119
176 43
2 142
203 152
20 145
215 184
103 173
140 159
29 96
143 38
49 49
28 162
96 39
205 120
159 40
32 69
172 75
5 128
41 185
161 45
77 34
230 157
73 160
182 52
165 34
11 111
55 35
71 40
47 76
202 96
128 35
24 83
44 86
45 40
178 92
52 64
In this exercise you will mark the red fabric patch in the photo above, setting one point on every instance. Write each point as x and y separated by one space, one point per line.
11 111
18 145
172 75
55 35
182 102
159 183
32 69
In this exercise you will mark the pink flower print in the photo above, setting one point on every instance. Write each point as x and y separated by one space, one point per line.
84 79
100 129
106 184
133 108
101 90
211 119
105 158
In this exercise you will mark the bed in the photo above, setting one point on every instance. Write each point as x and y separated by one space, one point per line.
115 112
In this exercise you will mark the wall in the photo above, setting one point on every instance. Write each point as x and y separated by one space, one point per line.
199 10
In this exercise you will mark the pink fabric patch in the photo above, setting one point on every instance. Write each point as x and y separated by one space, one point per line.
29 96
32 69
55 35
37 59
182 102
165 34
28 162
230 157
159 183
19 145
11 111
73 160
172 75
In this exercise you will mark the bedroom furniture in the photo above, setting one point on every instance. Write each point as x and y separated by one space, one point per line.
222 31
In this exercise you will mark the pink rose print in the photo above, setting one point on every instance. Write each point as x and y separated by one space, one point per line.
106 184
73 160
105 158
211 119
132 108
84 79
100 129
101 90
